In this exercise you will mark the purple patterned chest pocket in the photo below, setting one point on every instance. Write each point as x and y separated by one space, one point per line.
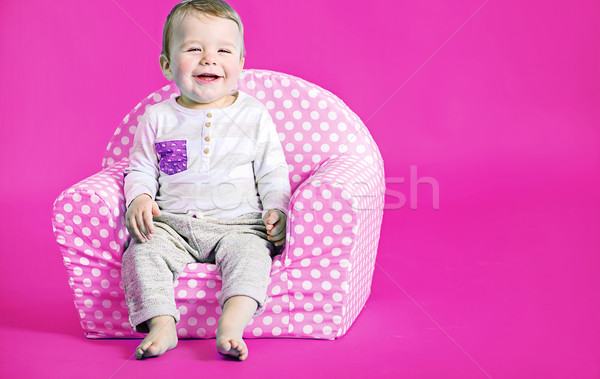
173 156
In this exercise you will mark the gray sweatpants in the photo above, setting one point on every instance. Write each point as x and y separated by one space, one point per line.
239 247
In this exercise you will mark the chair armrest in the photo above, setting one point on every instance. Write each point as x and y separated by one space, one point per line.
89 218
340 202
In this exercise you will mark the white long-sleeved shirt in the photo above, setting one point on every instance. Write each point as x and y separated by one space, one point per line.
221 162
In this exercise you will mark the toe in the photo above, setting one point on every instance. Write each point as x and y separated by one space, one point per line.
223 345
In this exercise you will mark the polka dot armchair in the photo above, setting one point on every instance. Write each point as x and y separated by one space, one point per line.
322 278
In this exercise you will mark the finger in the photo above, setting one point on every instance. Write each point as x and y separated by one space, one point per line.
278 237
134 230
272 218
139 222
148 224
155 209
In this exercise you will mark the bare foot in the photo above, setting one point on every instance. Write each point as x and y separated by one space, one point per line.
162 337
237 313
236 347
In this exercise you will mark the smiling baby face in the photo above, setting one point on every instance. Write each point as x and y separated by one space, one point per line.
204 60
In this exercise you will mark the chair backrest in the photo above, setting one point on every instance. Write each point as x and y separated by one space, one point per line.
313 124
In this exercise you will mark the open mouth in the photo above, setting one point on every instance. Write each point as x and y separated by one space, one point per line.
207 78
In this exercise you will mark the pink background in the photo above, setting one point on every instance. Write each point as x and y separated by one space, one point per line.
499 104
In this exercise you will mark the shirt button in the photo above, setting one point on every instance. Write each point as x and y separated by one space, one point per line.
206 151
209 115
207 138
208 124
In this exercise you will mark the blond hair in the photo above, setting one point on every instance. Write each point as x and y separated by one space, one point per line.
216 8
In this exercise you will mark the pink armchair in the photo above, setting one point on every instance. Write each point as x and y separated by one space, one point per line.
323 277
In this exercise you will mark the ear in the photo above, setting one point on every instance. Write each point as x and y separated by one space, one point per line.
165 66
242 64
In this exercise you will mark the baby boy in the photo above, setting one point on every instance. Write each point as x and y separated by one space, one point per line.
207 181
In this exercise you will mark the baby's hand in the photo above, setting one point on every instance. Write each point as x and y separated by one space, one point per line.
275 223
139 217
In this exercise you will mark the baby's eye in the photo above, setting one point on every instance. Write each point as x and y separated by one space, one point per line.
194 49
226 51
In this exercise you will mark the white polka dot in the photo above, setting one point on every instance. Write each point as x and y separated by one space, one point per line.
276 331
308 307
211 321
328 308
335 274
327 330
298 317
267 320
324 262
296 273
337 296
275 290
337 319
326 285
315 273
307 285
276 309
307 329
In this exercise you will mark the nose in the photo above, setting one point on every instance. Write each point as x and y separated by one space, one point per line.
208 58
